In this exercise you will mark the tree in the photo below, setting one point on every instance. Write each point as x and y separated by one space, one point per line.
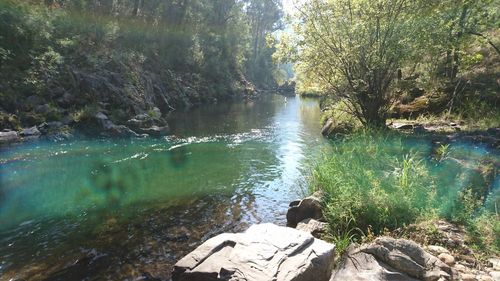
264 18
354 49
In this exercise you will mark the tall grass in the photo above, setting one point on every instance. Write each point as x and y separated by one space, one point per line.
376 181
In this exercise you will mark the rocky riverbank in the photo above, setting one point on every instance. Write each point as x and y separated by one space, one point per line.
270 252
104 119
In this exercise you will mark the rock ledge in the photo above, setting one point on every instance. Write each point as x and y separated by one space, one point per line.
263 252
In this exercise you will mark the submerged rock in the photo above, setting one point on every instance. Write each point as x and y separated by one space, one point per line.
391 259
264 252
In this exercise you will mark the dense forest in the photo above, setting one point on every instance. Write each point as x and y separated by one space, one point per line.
67 60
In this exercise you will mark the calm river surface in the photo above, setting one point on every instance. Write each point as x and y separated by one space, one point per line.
127 210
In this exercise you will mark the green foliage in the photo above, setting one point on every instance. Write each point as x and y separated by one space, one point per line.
378 180
371 53
43 43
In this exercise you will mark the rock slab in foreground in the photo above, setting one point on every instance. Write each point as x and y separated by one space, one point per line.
264 252
391 259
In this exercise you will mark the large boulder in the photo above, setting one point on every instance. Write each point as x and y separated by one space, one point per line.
307 208
391 259
264 252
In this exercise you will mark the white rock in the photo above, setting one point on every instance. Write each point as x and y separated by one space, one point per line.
437 249
495 275
447 258
496 263
468 277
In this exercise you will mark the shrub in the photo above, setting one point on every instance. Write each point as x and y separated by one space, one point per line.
377 180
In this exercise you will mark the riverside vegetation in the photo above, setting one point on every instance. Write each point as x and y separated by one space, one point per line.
88 66
421 63
67 60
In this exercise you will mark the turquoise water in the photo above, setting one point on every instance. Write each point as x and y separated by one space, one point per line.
127 209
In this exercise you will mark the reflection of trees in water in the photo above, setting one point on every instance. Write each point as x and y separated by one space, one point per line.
225 117
111 182
178 156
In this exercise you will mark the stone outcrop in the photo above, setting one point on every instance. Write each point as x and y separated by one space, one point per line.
391 259
263 252
307 208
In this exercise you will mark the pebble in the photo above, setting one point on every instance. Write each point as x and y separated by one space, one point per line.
496 263
461 268
495 275
468 277
447 258
438 249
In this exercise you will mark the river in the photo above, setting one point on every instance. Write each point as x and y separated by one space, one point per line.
128 209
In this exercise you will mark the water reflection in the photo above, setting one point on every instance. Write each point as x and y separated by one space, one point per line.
129 209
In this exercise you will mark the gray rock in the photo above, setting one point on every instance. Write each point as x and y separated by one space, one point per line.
32 101
308 208
154 131
109 129
468 277
66 100
316 228
30 132
8 136
325 131
263 252
42 109
113 130
157 112
447 258
334 128
360 266
435 249
391 259
47 127
402 126
60 133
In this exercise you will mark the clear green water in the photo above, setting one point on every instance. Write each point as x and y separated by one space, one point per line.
128 209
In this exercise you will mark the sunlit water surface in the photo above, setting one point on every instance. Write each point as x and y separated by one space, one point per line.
127 210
